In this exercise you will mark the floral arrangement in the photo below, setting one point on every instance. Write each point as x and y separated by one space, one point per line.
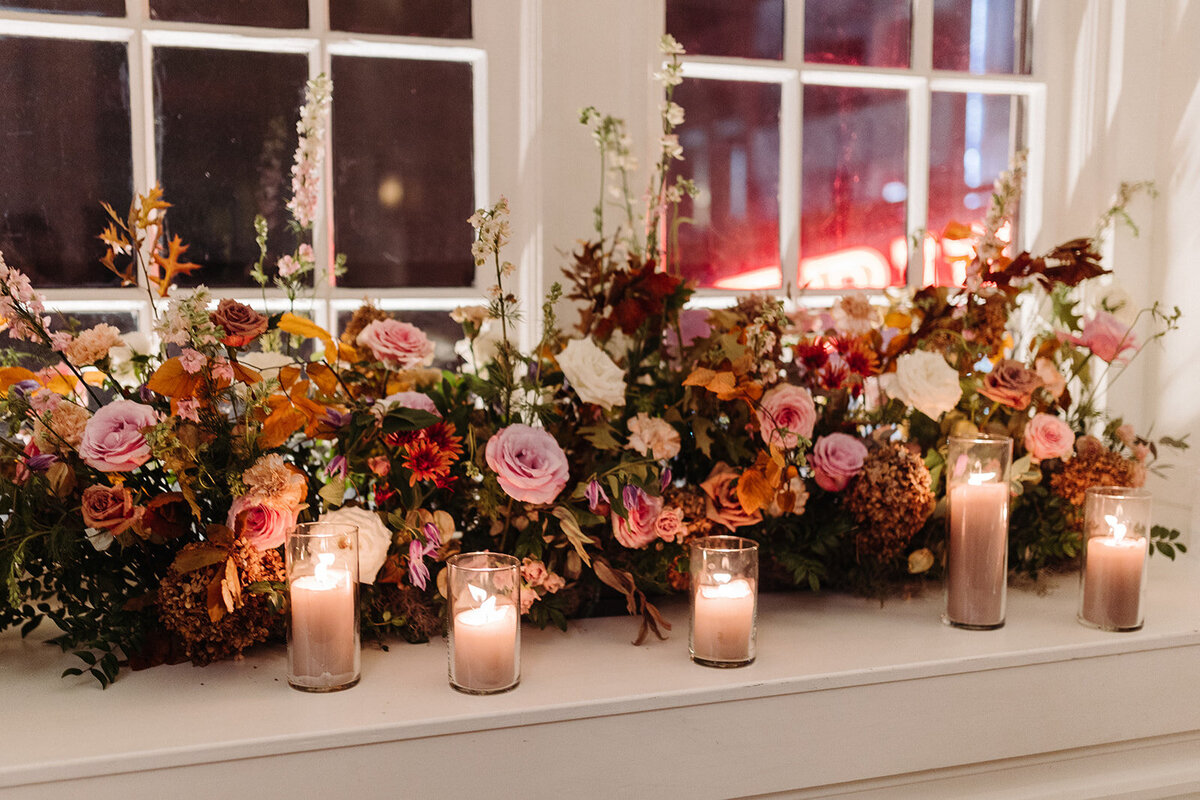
146 492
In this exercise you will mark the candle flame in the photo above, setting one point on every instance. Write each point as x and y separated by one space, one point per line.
980 478
1117 527
479 595
321 572
722 577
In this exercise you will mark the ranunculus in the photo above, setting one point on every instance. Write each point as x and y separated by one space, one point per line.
639 529
528 463
113 440
1106 336
722 504
836 459
261 522
924 381
592 374
786 414
374 538
108 508
670 526
1047 436
399 345
653 436
1010 384
241 323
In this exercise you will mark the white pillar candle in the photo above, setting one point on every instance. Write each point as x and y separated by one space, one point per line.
1112 581
977 553
323 641
485 646
724 621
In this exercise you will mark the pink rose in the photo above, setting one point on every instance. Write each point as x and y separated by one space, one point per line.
1106 336
553 583
528 463
722 504
534 572
417 400
397 344
261 522
786 414
113 440
836 459
1011 384
638 530
1047 436
109 508
669 526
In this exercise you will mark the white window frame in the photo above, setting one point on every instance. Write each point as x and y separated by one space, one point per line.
792 73
499 53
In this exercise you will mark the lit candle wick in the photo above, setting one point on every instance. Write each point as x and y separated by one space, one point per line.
1117 527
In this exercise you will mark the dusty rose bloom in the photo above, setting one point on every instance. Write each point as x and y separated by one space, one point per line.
786 414
530 465
1106 336
836 459
1011 384
553 583
1047 436
108 508
639 530
397 344
534 572
261 522
241 323
722 504
670 526
113 440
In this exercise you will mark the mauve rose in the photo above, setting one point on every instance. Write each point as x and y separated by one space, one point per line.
638 530
1106 336
397 344
1089 446
786 414
722 504
836 459
528 463
1011 384
241 323
113 440
262 523
108 508
1047 436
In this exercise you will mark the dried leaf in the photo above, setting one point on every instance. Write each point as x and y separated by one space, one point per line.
754 491
280 424
620 580
169 266
324 377
13 375
198 558
575 534
957 230
307 329
172 380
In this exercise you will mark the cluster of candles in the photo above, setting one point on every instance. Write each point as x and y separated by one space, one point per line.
484 588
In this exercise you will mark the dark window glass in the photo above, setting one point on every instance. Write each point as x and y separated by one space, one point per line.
971 145
272 14
64 124
978 36
872 33
91 8
438 19
730 141
744 29
225 151
403 172
853 223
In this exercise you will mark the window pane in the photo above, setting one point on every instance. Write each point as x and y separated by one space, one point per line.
225 153
873 33
972 143
730 142
978 36
403 172
64 122
273 14
92 8
852 223
745 29
439 19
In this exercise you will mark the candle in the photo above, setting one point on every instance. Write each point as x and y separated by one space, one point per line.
1112 581
723 619
976 572
485 644
324 646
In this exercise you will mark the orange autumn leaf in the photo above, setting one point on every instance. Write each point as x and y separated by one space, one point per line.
307 329
324 377
288 376
754 491
14 375
94 378
701 376
62 384
245 374
280 424
898 319
172 380
957 230
169 266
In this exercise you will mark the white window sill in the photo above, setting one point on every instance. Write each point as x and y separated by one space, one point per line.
845 695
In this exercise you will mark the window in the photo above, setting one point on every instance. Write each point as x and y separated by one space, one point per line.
102 99
832 141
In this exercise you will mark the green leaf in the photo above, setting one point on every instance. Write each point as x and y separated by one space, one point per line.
334 492
408 419
602 436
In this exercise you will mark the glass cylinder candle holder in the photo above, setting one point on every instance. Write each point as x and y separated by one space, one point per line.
485 622
323 635
724 573
977 491
1116 543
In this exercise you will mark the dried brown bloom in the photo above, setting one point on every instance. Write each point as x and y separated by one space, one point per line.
891 499
693 503
183 602
1091 467
363 316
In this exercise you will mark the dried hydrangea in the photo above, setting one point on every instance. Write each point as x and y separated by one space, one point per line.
891 499
1091 467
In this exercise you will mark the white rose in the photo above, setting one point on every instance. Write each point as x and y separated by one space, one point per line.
374 538
120 358
593 375
653 435
924 381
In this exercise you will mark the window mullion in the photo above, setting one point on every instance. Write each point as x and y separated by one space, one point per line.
791 144
919 139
